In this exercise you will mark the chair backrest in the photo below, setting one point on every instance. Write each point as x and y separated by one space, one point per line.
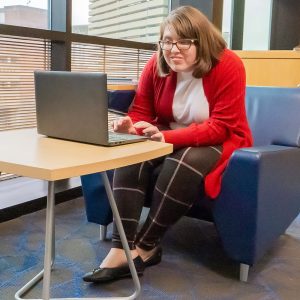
274 115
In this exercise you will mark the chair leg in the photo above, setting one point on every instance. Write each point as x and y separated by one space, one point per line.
103 231
244 270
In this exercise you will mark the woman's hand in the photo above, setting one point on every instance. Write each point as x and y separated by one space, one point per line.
150 131
124 125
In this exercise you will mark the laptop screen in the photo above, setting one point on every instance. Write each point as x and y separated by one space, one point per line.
72 105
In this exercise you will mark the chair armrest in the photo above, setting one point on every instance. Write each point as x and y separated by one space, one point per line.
260 197
96 202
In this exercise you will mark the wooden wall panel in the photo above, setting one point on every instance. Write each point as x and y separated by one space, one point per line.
272 68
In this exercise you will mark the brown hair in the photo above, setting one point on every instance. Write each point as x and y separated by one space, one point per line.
188 22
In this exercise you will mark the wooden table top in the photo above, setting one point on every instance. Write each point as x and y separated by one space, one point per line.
26 153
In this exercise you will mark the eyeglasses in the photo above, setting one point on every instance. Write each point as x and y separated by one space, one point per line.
183 44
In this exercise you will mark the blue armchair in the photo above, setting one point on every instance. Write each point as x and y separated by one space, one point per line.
260 194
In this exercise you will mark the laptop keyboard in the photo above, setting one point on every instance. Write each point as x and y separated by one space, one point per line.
115 137
112 115
119 137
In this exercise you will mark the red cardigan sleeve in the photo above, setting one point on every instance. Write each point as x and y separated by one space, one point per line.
224 87
142 108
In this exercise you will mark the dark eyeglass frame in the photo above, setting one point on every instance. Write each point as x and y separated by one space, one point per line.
171 44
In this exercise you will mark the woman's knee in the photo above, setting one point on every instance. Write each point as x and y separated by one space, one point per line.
200 159
133 175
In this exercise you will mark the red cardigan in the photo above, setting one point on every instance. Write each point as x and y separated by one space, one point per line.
224 87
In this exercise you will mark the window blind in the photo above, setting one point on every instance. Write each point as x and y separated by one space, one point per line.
119 63
19 57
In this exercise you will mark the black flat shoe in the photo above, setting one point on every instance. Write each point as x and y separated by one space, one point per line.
109 274
155 258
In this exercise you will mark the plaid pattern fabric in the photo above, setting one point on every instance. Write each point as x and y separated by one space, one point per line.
178 186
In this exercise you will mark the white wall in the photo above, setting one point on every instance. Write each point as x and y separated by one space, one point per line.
257 24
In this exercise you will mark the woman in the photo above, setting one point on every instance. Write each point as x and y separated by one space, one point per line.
191 94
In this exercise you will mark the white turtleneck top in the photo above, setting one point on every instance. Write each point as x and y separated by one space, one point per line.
189 104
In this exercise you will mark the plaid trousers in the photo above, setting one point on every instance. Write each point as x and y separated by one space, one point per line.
178 186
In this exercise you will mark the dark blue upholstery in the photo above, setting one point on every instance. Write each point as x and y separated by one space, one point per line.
96 202
120 100
259 200
261 185
274 115
260 194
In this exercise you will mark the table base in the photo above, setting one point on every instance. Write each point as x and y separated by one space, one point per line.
49 258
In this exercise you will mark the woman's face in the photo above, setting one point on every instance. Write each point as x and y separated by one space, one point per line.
178 60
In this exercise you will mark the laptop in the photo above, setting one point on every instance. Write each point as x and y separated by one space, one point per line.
74 106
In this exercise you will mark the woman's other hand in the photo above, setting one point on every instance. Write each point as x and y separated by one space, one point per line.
150 131
124 125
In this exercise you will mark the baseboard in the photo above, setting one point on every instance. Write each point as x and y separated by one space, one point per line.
28 207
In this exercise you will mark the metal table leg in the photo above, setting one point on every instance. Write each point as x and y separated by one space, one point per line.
50 251
119 225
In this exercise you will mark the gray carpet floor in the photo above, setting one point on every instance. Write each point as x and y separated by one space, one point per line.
194 265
